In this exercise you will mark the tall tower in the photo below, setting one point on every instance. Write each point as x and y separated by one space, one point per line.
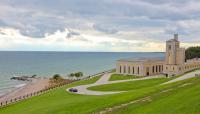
171 55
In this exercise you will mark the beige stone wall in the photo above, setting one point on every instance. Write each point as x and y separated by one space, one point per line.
180 69
180 56
155 68
145 68
170 55
129 68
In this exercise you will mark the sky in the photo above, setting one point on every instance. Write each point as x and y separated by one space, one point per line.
97 25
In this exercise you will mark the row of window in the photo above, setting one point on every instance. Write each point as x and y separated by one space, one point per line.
191 66
129 70
186 67
155 69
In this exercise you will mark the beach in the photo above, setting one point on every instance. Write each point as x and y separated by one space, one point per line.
35 85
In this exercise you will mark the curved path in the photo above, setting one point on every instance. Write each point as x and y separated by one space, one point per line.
82 89
185 76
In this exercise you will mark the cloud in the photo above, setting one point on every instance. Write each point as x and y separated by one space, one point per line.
105 29
106 25
2 23
12 39
71 34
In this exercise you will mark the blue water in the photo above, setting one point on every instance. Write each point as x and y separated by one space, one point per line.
46 64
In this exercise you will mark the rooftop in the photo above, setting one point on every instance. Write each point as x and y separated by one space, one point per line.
141 59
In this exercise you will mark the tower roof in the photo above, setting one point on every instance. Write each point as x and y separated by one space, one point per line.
176 37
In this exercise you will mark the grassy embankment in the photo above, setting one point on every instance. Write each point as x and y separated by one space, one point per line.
130 85
115 77
178 100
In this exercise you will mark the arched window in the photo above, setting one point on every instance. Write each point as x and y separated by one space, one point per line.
124 69
153 69
170 47
147 71
133 70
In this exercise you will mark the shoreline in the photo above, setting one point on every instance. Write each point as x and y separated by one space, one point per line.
14 90
28 88
35 85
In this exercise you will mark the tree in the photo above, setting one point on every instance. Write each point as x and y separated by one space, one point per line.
78 74
71 75
57 77
192 52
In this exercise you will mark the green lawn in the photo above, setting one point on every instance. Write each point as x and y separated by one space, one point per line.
87 81
59 101
180 100
130 85
123 77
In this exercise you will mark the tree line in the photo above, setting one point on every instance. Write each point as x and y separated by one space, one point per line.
77 75
192 52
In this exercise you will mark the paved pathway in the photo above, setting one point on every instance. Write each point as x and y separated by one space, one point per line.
82 89
185 76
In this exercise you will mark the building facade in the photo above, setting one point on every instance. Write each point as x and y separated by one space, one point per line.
173 64
140 67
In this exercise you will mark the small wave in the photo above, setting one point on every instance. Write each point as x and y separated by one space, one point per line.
6 88
20 85
2 93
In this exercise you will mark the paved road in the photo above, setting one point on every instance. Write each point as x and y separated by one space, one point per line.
104 80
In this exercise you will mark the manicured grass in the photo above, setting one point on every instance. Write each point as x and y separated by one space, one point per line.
180 100
130 85
59 101
86 81
123 77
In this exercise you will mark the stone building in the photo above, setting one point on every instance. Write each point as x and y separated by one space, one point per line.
140 67
173 64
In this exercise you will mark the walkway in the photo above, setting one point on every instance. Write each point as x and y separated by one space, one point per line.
82 89
185 76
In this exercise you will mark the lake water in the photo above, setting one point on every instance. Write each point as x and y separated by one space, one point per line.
46 64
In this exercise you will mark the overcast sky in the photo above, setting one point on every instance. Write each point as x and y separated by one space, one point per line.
97 25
